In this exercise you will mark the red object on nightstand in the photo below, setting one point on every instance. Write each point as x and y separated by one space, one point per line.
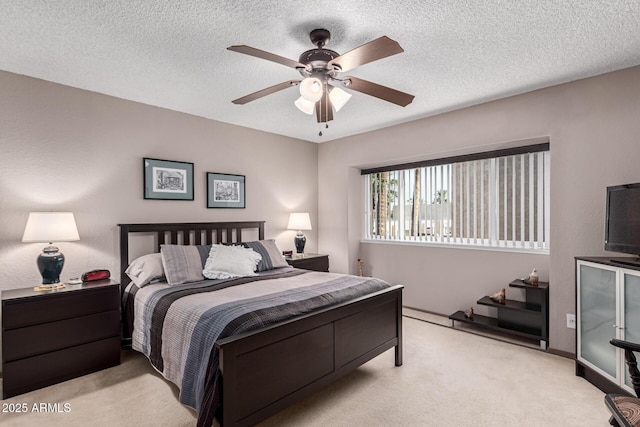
90 276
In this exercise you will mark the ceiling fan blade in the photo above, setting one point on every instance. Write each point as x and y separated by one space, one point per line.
368 52
383 92
248 50
264 92
324 109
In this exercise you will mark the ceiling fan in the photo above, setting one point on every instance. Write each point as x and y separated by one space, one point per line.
320 88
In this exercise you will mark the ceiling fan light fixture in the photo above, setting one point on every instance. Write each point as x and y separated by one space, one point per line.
304 105
338 98
320 67
311 89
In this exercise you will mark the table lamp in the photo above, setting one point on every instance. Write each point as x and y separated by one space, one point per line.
299 221
50 227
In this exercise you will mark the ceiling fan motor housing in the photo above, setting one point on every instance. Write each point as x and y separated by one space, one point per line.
316 61
320 37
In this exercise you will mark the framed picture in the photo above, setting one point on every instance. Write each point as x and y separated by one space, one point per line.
225 191
167 180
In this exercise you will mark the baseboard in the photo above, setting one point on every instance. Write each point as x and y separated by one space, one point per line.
567 354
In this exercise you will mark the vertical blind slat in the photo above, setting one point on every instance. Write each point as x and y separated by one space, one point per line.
467 194
540 195
474 212
522 198
504 199
532 175
454 195
547 199
482 167
513 199
494 199
434 198
443 198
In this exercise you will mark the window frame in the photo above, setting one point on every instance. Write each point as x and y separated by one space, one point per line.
496 240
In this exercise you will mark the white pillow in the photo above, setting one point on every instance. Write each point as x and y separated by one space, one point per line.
225 262
145 269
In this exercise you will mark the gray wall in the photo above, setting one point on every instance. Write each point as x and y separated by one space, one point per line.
71 150
593 126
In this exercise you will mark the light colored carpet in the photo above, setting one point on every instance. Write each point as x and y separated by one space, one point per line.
449 377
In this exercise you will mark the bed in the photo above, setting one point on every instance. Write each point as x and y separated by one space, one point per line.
254 373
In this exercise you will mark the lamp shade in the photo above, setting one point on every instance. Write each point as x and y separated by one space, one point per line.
338 98
299 221
50 227
311 89
305 106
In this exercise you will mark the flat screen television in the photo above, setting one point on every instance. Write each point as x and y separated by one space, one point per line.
622 232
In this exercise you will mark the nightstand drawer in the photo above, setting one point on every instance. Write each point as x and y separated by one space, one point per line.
47 337
21 312
316 262
51 368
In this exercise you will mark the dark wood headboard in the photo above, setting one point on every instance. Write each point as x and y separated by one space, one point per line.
187 233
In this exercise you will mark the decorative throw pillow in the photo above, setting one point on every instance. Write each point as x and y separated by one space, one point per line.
183 263
145 269
225 262
271 255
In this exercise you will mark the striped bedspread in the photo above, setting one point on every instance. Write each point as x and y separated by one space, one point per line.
176 327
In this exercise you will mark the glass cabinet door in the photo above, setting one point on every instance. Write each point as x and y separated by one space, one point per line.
631 313
597 299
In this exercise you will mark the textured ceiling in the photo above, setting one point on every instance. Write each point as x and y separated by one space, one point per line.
172 54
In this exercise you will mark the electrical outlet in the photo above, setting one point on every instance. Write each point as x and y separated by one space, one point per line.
571 321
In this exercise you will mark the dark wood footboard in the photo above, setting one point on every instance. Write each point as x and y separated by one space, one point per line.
265 371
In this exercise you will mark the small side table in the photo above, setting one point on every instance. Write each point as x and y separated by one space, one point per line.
308 261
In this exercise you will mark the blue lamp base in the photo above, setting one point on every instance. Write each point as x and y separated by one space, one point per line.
300 241
50 263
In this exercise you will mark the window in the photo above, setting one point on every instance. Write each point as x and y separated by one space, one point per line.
498 199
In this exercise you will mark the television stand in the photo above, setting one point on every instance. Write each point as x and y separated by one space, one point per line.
635 262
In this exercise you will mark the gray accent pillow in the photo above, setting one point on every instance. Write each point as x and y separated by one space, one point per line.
271 255
184 263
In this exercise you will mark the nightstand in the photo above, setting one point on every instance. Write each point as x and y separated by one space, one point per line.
316 262
53 336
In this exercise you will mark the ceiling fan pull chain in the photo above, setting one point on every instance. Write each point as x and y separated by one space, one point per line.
324 94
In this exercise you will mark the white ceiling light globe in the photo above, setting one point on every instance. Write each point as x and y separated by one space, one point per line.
311 89
338 98
305 106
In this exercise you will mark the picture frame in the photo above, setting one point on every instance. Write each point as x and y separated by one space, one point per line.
167 179
225 190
